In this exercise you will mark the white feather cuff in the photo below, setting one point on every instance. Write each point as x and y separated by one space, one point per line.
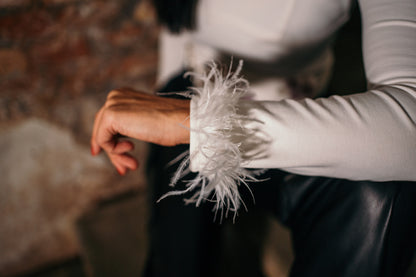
219 141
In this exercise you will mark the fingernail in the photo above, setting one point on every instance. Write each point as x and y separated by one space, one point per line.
92 151
120 172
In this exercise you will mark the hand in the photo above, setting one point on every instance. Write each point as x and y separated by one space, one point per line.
146 117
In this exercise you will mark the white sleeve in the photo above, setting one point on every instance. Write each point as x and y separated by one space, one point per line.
364 136
172 55
178 52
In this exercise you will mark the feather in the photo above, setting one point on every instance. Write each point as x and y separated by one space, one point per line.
215 112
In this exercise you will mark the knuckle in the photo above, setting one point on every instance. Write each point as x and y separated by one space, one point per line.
112 99
108 104
113 94
106 116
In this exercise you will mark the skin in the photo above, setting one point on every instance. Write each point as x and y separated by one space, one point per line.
138 115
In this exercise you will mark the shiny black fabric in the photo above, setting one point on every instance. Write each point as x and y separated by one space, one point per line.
339 228
346 228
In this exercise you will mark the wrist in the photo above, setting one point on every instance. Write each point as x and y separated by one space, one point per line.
182 118
186 124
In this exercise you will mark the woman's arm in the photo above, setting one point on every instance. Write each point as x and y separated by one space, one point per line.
370 135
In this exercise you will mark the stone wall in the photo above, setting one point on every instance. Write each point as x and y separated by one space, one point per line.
58 59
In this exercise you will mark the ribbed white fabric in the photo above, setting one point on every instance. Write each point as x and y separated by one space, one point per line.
369 135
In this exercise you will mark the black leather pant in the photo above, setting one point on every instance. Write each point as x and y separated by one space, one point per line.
339 227
346 228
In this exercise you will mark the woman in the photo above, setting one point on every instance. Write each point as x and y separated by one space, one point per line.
357 220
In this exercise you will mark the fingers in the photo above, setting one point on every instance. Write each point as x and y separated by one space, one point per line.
119 157
95 148
122 146
104 137
123 162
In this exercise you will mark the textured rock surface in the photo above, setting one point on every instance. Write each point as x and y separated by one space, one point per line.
58 60
53 52
48 180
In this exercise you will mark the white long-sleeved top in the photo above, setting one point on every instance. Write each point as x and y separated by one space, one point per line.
364 136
